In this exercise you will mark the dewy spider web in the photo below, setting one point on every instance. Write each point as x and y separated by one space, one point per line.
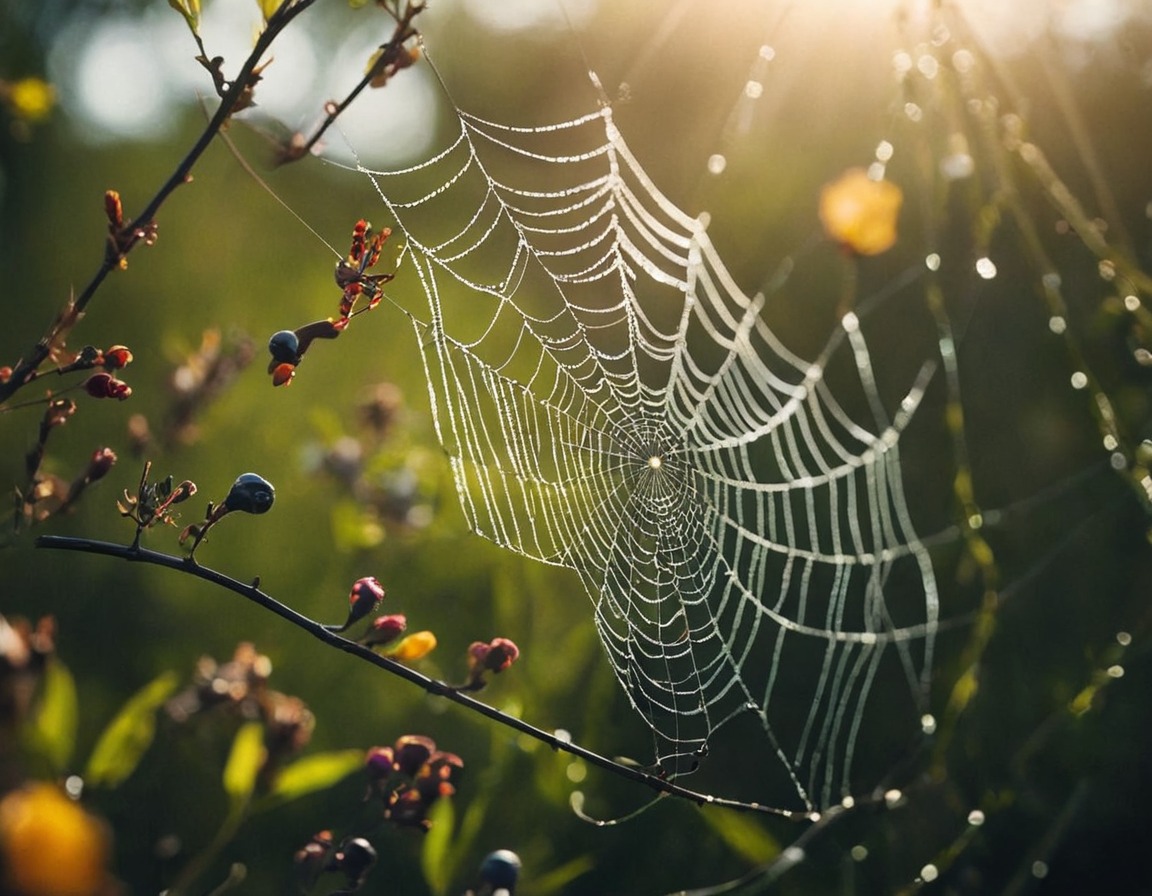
611 401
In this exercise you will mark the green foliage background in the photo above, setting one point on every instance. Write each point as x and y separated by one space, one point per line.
1070 790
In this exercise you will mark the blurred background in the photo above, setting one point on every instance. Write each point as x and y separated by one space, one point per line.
1037 779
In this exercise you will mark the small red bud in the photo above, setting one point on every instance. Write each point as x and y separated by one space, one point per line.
114 209
282 374
100 463
117 357
104 385
502 653
365 595
385 630
412 751
379 762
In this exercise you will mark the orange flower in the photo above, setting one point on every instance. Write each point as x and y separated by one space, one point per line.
414 647
51 847
860 213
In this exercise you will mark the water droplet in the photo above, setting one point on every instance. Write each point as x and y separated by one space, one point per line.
848 802
975 521
74 786
1116 671
1039 869
1079 380
892 797
1110 442
1123 639
1132 303
794 854
976 817
928 723
929 873
902 63
753 90
928 66
957 166
963 61
884 151
859 852
850 322
914 112
576 771
1118 462
1057 324
767 53
1107 270
932 261
565 737
985 267
876 171
717 163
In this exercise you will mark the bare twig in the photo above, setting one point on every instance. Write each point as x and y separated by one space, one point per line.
142 226
252 592
391 57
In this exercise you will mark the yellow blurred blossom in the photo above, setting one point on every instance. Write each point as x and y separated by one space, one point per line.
50 846
860 213
29 99
416 646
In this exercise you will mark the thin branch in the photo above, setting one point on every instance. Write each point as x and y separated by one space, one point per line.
436 688
388 60
136 230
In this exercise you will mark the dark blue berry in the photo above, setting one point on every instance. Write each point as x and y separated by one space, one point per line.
250 493
500 869
285 347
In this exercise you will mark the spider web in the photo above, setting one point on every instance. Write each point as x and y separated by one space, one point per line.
612 402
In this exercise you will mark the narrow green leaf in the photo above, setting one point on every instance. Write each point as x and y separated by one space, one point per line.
434 858
558 879
316 772
52 729
190 10
744 836
244 761
127 737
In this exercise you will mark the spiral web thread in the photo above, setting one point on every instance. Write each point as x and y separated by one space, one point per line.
612 402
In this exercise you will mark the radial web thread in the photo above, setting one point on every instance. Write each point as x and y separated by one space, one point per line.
611 401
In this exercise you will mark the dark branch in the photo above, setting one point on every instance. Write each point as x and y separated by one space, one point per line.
389 59
431 685
138 228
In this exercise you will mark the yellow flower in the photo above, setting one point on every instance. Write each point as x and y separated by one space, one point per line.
860 213
30 99
416 646
50 846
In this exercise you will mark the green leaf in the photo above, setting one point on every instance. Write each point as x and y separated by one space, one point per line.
244 762
354 528
434 858
316 772
127 737
190 10
558 879
52 730
744 836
